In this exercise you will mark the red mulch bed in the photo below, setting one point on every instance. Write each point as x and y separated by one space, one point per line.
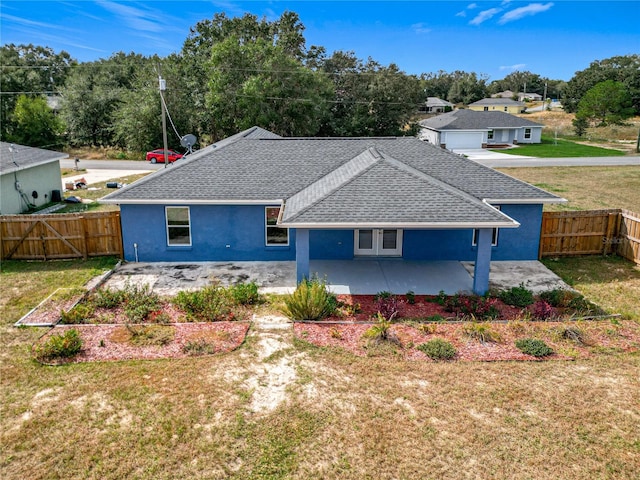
422 308
108 342
346 331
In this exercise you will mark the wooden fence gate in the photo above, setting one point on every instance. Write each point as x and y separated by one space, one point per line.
56 236
591 232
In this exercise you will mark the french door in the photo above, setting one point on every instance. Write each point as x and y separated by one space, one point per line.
378 242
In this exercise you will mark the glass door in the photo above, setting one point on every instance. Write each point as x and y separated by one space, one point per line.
378 242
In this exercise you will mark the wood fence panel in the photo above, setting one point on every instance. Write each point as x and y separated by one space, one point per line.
56 236
592 232
627 242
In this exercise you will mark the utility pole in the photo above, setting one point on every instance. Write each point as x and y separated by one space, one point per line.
163 87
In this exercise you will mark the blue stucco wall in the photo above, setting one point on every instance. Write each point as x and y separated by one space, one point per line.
226 233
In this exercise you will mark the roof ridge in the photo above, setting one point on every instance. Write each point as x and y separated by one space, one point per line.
331 182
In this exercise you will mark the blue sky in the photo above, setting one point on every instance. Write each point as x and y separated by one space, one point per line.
551 38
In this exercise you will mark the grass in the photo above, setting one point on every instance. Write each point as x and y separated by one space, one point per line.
343 417
95 191
550 148
586 188
611 282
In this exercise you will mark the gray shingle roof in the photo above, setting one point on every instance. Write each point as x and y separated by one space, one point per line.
25 157
474 120
391 178
438 102
498 101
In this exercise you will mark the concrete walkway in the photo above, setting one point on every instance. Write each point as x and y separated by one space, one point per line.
357 277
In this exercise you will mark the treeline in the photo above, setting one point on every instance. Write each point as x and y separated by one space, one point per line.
232 73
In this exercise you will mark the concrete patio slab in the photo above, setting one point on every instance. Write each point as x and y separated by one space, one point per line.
356 277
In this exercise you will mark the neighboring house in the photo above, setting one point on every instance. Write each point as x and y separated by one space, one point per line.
437 105
532 97
505 94
468 129
498 105
29 177
260 197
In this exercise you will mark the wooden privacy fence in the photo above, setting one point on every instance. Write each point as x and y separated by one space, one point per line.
591 232
45 237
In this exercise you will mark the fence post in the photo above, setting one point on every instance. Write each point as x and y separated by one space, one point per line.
611 232
85 241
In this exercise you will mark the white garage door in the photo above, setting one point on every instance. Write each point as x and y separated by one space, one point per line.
464 140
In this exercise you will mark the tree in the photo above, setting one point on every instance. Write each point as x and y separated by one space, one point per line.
30 70
35 123
580 124
607 102
259 83
467 88
624 69
517 81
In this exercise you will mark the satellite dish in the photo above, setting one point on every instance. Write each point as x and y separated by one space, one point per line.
188 141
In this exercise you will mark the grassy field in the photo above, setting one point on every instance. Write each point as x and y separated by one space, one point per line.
587 188
340 417
550 148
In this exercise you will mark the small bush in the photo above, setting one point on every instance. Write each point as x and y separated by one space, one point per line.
335 333
245 293
310 301
438 349
481 332
77 315
382 295
519 296
542 310
440 299
472 305
388 306
435 318
381 331
558 297
198 347
427 328
108 298
139 302
161 318
59 345
572 333
208 304
411 297
533 346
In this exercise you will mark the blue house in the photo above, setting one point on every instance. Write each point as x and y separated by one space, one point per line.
258 196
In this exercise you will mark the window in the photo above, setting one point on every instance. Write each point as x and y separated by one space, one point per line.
490 134
494 235
506 109
527 133
275 236
486 109
178 226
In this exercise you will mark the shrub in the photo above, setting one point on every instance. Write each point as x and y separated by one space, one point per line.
481 332
139 302
473 305
387 306
108 298
59 345
198 347
208 304
438 349
519 296
381 331
78 314
440 299
542 310
245 293
411 297
335 333
533 346
558 297
310 301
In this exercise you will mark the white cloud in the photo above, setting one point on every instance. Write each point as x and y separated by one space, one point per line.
485 15
471 6
461 14
136 18
420 28
515 67
518 13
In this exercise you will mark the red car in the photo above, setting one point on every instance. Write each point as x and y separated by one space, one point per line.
157 156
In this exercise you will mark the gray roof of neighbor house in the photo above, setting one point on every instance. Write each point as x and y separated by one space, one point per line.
474 120
498 101
389 180
438 102
17 157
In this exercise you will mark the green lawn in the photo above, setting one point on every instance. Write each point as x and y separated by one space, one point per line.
586 188
340 417
550 148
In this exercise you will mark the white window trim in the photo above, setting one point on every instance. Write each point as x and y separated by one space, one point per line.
267 226
527 133
166 222
490 135
494 234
